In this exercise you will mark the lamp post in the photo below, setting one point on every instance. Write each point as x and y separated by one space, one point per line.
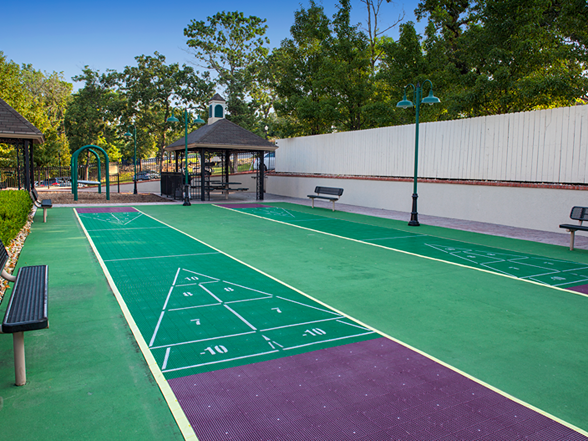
405 104
134 135
187 182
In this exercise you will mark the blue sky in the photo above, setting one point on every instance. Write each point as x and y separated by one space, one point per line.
66 35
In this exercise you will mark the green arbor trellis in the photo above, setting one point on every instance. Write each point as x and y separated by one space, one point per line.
74 170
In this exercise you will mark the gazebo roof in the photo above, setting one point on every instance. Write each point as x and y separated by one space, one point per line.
224 135
14 127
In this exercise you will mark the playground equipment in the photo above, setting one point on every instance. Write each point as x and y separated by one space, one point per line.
74 171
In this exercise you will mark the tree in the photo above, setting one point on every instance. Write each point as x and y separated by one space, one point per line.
374 33
151 90
500 56
350 66
93 116
305 105
41 98
233 46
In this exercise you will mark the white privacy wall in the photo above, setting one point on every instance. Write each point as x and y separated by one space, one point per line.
540 146
547 146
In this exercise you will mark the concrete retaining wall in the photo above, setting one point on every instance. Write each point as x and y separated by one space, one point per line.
518 206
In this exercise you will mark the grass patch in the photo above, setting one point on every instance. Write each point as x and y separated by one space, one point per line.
15 206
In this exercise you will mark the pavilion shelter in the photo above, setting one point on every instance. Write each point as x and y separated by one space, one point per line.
214 143
16 130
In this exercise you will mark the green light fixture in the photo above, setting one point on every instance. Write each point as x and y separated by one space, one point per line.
406 104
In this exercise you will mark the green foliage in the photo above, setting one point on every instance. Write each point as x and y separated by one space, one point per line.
93 115
150 90
15 206
232 46
324 74
501 56
42 99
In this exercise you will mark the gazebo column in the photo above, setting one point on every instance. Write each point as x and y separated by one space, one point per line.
260 176
226 164
27 166
202 177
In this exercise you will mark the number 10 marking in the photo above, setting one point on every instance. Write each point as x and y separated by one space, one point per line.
218 349
314 332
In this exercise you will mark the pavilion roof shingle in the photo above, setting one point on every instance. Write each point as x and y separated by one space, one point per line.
223 134
217 97
13 126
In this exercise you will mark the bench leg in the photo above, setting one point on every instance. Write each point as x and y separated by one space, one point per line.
44 215
572 237
333 205
20 370
312 199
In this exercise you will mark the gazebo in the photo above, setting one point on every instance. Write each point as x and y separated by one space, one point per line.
15 129
220 138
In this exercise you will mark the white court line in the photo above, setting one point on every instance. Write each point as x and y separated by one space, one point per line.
575 269
396 237
221 361
400 342
171 289
238 315
193 307
542 274
247 288
249 300
569 283
354 325
156 328
320 220
168 394
201 340
330 340
157 257
308 306
408 253
164 365
131 228
209 292
300 324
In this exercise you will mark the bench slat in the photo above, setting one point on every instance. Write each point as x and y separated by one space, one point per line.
579 213
3 256
574 227
329 190
27 309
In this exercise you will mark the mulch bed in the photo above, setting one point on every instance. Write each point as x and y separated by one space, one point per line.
62 197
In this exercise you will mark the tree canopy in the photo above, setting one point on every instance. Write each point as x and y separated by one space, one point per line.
484 57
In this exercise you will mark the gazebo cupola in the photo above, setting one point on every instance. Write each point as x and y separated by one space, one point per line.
216 109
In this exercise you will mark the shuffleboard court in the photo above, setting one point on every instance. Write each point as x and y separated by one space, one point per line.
552 272
249 357
191 315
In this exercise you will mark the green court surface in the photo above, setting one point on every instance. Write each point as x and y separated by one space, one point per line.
554 272
524 338
210 287
199 309
86 378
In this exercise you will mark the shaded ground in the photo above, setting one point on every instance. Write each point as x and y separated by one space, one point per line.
97 198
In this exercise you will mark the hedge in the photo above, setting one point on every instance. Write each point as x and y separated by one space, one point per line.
15 206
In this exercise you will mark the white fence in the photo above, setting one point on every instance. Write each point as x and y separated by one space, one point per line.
540 146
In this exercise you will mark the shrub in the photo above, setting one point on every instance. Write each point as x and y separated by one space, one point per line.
15 206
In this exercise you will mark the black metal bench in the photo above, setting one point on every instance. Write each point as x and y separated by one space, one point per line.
331 191
27 308
579 214
44 204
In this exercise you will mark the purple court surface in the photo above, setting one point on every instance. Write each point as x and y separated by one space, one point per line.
106 210
371 390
